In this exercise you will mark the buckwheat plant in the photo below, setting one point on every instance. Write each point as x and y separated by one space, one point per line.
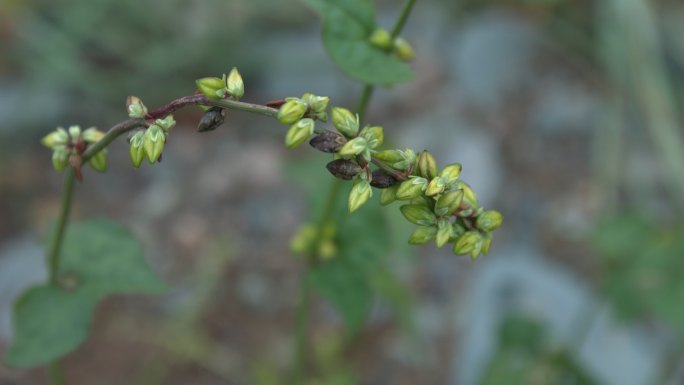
442 206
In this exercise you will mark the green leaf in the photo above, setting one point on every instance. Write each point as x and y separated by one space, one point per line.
105 259
49 323
99 258
347 26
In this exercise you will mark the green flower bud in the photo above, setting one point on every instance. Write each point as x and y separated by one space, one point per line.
135 107
327 249
353 147
381 39
489 220
234 84
403 49
418 214
436 186
443 232
390 156
411 188
60 158
345 121
57 138
373 135
92 135
456 231
99 161
210 87
154 143
486 243
322 116
292 111
451 173
427 165
422 235
166 124
137 151
468 243
75 133
299 132
359 195
408 160
318 104
449 202
389 195
469 196
302 241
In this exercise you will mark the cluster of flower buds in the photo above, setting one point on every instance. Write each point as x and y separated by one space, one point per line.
68 146
382 39
301 114
149 143
229 86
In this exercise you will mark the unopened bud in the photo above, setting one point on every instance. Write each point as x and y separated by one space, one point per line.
234 84
486 243
167 123
427 165
403 49
468 243
57 138
443 232
436 186
154 143
374 136
345 121
449 202
451 173
211 87
359 195
469 196
60 159
75 133
318 104
137 151
422 235
382 180
92 135
390 156
389 195
408 160
328 142
99 161
344 169
354 147
412 188
418 214
135 107
292 111
381 39
211 119
489 220
299 132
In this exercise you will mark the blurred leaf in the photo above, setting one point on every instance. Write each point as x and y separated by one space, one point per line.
347 24
525 357
49 323
642 267
106 259
99 258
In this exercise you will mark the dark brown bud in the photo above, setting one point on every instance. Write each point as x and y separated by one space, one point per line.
327 142
343 169
382 179
211 119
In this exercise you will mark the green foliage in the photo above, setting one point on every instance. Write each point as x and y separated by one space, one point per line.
525 357
347 29
99 258
643 265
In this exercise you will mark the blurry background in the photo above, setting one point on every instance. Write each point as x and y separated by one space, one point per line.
567 117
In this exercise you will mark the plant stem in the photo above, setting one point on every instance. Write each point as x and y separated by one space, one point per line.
58 235
56 373
366 95
405 12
